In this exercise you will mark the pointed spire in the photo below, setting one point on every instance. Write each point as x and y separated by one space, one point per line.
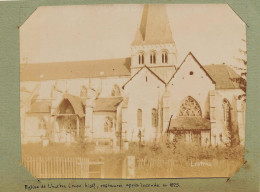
154 27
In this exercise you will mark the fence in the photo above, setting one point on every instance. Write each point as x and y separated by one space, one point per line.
63 167
172 168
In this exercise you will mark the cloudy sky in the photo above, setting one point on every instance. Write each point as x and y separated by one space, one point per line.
74 33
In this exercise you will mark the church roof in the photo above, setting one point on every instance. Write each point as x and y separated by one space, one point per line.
40 107
144 67
189 123
154 27
190 54
77 69
76 103
223 75
108 104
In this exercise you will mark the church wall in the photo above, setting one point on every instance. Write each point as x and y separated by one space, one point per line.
220 129
32 133
143 95
45 90
98 124
192 81
158 48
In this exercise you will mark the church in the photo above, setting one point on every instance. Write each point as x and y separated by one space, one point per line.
142 98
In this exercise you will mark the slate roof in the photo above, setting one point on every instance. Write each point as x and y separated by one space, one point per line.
108 104
78 69
154 27
40 107
222 75
189 123
76 103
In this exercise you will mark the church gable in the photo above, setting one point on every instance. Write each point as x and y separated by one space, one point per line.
191 71
146 77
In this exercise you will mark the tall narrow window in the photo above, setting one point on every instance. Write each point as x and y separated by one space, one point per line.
139 118
190 107
226 113
108 124
141 58
154 118
164 57
153 57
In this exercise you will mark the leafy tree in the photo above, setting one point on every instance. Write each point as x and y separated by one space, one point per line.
242 79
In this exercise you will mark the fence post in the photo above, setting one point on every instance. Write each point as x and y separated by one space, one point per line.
130 166
124 168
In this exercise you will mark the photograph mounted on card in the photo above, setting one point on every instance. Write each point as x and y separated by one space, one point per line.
133 91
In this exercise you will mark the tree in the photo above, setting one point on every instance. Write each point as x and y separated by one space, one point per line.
243 71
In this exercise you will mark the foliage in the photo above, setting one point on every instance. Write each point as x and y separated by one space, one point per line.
184 152
242 79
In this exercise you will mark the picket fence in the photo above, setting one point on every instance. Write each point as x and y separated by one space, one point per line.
63 167
170 168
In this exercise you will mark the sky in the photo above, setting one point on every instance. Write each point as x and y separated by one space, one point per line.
212 32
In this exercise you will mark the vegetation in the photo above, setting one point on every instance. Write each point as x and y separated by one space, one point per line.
243 75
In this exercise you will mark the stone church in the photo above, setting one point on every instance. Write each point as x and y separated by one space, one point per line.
114 102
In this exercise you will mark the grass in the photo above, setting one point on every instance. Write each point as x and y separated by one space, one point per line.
162 160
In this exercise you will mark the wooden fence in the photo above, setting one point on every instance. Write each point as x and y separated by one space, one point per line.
169 168
63 167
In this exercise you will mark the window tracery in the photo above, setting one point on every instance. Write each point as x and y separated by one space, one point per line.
190 107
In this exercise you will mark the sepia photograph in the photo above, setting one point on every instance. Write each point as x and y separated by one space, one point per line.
133 91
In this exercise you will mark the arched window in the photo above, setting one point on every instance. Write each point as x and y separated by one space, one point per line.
141 58
116 91
190 107
226 113
154 118
164 57
139 118
108 124
83 92
153 57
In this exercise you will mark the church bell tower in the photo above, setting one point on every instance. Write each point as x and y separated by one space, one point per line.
153 45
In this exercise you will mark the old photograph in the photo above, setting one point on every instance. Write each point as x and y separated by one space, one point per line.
133 91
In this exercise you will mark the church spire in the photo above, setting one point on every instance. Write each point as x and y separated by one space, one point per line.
154 27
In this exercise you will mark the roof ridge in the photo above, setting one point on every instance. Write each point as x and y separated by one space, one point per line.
190 54
233 83
139 71
154 27
59 62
